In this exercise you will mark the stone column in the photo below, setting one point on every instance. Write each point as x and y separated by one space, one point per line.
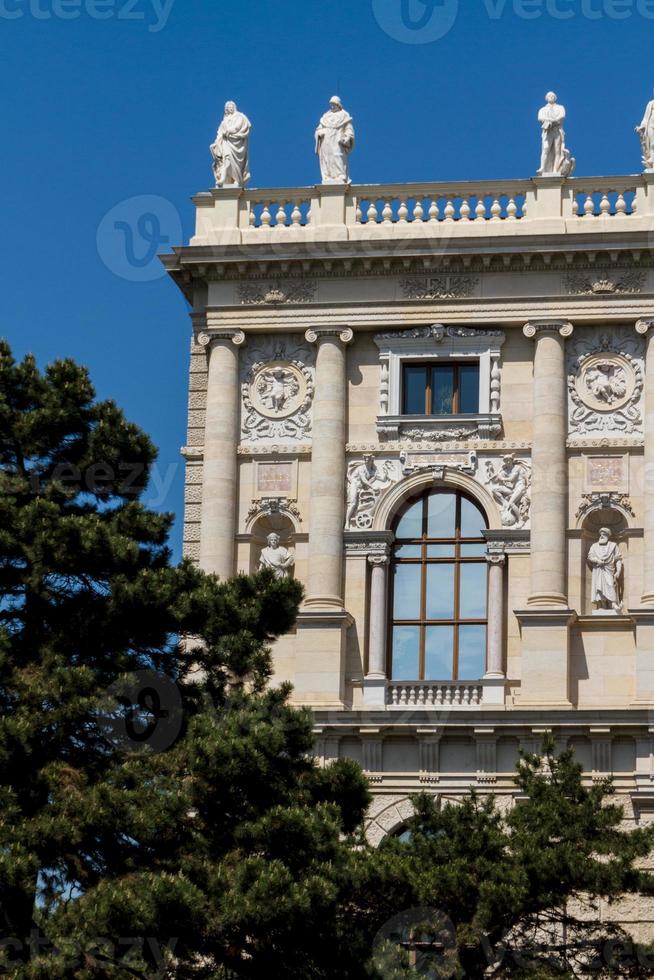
646 329
495 657
328 469
549 492
220 473
375 681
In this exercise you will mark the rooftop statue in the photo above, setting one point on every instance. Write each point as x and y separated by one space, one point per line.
646 134
230 150
334 143
556 159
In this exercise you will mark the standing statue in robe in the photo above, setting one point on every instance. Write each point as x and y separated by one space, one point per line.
555 161
230 150
646 134
334 143
605 559
276 557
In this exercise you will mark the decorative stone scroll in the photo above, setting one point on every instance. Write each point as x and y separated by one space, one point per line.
277 293
605 384
604 501
604 282
439 287
277 391
270 506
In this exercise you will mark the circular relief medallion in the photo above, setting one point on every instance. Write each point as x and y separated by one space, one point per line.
606 382
278 389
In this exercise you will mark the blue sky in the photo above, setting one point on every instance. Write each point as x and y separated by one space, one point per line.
106 101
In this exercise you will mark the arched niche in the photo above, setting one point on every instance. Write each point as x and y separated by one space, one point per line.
394 498
616 520
264 525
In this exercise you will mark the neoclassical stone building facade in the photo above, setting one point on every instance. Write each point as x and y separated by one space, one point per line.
437 396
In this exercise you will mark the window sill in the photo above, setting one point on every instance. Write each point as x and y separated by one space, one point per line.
440 428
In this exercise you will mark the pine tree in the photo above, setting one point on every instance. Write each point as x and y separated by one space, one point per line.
521 887
160 809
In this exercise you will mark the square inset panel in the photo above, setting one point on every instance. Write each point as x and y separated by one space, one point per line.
607 473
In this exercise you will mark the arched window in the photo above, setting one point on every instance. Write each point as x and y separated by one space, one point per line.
438 589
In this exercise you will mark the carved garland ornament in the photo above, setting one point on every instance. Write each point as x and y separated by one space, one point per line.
605 385
277 391
602 282
439 287
277 293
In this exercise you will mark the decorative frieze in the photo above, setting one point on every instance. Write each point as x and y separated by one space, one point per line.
277 293
366 480
605 383
439 287
277 391
605 282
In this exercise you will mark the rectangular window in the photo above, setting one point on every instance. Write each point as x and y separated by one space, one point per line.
443 388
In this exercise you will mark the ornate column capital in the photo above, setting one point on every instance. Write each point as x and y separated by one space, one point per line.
496 560
379 559
644 325
206 338
315 334
535 328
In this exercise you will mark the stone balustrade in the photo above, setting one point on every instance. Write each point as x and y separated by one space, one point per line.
361 212
434 694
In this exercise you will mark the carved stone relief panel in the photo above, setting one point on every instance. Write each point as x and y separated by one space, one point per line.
507 479
277 391
605 383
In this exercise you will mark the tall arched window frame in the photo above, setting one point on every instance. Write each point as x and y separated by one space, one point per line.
439 589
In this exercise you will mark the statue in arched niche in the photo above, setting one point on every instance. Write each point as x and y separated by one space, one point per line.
275 557
605 560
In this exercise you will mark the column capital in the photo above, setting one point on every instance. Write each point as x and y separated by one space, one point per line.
644 325
379 559
535 328
315 334
207 338
496 560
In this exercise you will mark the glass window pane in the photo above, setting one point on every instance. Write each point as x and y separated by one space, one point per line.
440 550
473 550
411 551
410 525
472 520
406 653
472 595
415 387
440 591
439 647
406 591
441 515
442 389
469 389
472 652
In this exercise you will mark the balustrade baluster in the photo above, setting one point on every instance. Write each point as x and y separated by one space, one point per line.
387 213
433 211
480 210
464 210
